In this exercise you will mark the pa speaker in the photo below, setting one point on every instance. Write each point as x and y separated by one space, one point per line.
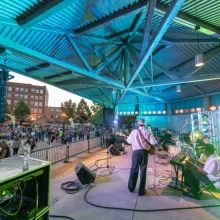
114 151
85 175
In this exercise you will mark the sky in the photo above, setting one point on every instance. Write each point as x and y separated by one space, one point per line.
56 95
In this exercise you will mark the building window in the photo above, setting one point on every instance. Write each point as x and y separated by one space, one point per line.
21 89
15 102
37 91
26 90
21 96
41 91
57 116
40 97
32 103
26 96
39 110
40 103
9 88
32 90
32 110
16 95
16 89
52 109
35 110
32 97
9 95
36 97
58 110
36 104
9 102
51 116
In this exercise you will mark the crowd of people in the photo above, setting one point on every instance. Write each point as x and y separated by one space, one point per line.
12 136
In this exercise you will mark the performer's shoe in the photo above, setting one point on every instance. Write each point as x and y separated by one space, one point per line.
143 193
191 195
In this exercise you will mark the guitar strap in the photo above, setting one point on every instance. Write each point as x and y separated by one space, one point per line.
143 138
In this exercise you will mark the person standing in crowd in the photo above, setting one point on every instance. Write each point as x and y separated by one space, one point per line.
75 135
88 135
140 156
16 145
27 146
52 138
5 151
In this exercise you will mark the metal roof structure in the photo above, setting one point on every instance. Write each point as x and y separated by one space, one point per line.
114 51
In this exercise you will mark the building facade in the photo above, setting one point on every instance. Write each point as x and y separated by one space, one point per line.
36 97
54 113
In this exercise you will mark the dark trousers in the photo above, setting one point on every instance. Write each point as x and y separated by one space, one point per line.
139 159
15 151
192 179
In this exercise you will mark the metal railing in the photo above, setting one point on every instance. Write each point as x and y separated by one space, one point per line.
63 152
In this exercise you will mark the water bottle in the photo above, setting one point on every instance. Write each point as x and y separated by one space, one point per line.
26 161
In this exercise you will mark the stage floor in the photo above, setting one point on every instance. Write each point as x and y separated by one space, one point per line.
111 190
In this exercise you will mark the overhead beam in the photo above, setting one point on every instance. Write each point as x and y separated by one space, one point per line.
42 11
148 95
198 89
49 83
150 13
40 56
180 81
110 58
183 17
121 12
192 41
192 61
38 67
167 20
76 48
67 73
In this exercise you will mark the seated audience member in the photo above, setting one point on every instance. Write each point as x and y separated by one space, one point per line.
5 150
210 172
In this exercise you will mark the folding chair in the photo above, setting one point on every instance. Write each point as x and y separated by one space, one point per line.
207 187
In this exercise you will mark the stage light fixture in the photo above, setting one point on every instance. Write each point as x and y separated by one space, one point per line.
154 112
186 110
145 112
136 113
132 113
199 58
178 88
120 113
181 111
115 122
159 112
177 111
213 108
149 112
124 113
192 110
198 109
128 113
164 112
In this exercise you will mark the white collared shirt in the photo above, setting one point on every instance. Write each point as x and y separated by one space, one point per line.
136 141
212 167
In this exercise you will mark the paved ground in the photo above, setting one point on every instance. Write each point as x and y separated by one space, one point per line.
111 190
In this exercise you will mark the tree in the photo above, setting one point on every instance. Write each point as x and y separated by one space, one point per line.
68 108
83 111
97 117
21 109
7 110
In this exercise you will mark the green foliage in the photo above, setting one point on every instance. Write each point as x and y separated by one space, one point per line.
83 111
21 109
69 109
7 110
97 117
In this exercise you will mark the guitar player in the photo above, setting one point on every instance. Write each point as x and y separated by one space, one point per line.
139 140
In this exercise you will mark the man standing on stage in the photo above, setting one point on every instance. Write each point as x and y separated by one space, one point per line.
139 156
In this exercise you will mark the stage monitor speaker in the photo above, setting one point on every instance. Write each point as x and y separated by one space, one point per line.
114 151
85 175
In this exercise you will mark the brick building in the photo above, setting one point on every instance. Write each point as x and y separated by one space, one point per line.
54 113
36 97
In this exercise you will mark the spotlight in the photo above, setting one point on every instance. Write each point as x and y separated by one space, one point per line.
199 60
